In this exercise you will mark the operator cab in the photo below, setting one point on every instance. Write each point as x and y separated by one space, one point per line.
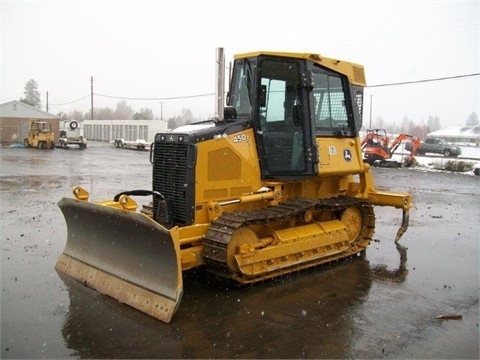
291 101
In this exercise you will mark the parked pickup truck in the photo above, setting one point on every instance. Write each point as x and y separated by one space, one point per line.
436 146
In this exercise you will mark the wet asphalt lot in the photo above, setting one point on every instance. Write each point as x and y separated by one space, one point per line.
383 305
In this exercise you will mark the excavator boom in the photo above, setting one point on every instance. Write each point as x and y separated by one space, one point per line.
378 149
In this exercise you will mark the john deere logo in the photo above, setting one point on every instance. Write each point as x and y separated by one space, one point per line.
347 155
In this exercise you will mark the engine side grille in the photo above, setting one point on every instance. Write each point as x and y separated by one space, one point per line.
173 177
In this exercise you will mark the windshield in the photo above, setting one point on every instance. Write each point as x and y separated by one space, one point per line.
241 88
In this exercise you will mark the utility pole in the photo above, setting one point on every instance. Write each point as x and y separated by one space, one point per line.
161 110
47 101
371 97
91 98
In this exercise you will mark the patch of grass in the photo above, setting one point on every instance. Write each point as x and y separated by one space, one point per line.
454 165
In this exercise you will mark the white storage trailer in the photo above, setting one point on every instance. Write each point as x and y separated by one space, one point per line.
127 130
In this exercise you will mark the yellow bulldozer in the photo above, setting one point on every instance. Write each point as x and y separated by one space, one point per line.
273 184
40 135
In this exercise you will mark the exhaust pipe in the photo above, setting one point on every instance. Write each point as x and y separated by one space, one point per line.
220 85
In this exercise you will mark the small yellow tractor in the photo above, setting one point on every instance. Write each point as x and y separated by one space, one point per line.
40 135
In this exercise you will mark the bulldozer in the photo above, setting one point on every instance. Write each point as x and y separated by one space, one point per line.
273 184
40 135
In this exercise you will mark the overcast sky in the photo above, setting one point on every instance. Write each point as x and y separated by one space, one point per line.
164 49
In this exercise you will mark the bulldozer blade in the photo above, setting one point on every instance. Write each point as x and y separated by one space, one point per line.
123 254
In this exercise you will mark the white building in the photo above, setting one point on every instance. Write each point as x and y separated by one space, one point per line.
458 134
129 130
14 121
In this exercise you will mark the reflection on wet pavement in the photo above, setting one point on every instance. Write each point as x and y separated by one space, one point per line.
217 320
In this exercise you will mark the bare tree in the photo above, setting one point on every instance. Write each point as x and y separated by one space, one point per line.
123 111
392 128
420 131
106 114
379 123
186 117
75 115
144 114
62 115
406 124
434 123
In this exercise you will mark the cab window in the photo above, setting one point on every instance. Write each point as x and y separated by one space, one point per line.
329 102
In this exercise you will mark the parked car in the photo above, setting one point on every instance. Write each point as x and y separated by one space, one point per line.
436 146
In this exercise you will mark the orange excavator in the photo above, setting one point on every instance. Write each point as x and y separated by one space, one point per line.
378 149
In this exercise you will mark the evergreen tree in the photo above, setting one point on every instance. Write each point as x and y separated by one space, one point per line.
31 94
472 119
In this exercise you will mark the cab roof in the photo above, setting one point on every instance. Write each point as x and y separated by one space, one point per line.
354 72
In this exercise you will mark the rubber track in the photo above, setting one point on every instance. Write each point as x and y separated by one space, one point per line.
221 230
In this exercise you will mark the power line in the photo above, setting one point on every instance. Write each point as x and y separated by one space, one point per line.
211 94
424 80
162 98
71 102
